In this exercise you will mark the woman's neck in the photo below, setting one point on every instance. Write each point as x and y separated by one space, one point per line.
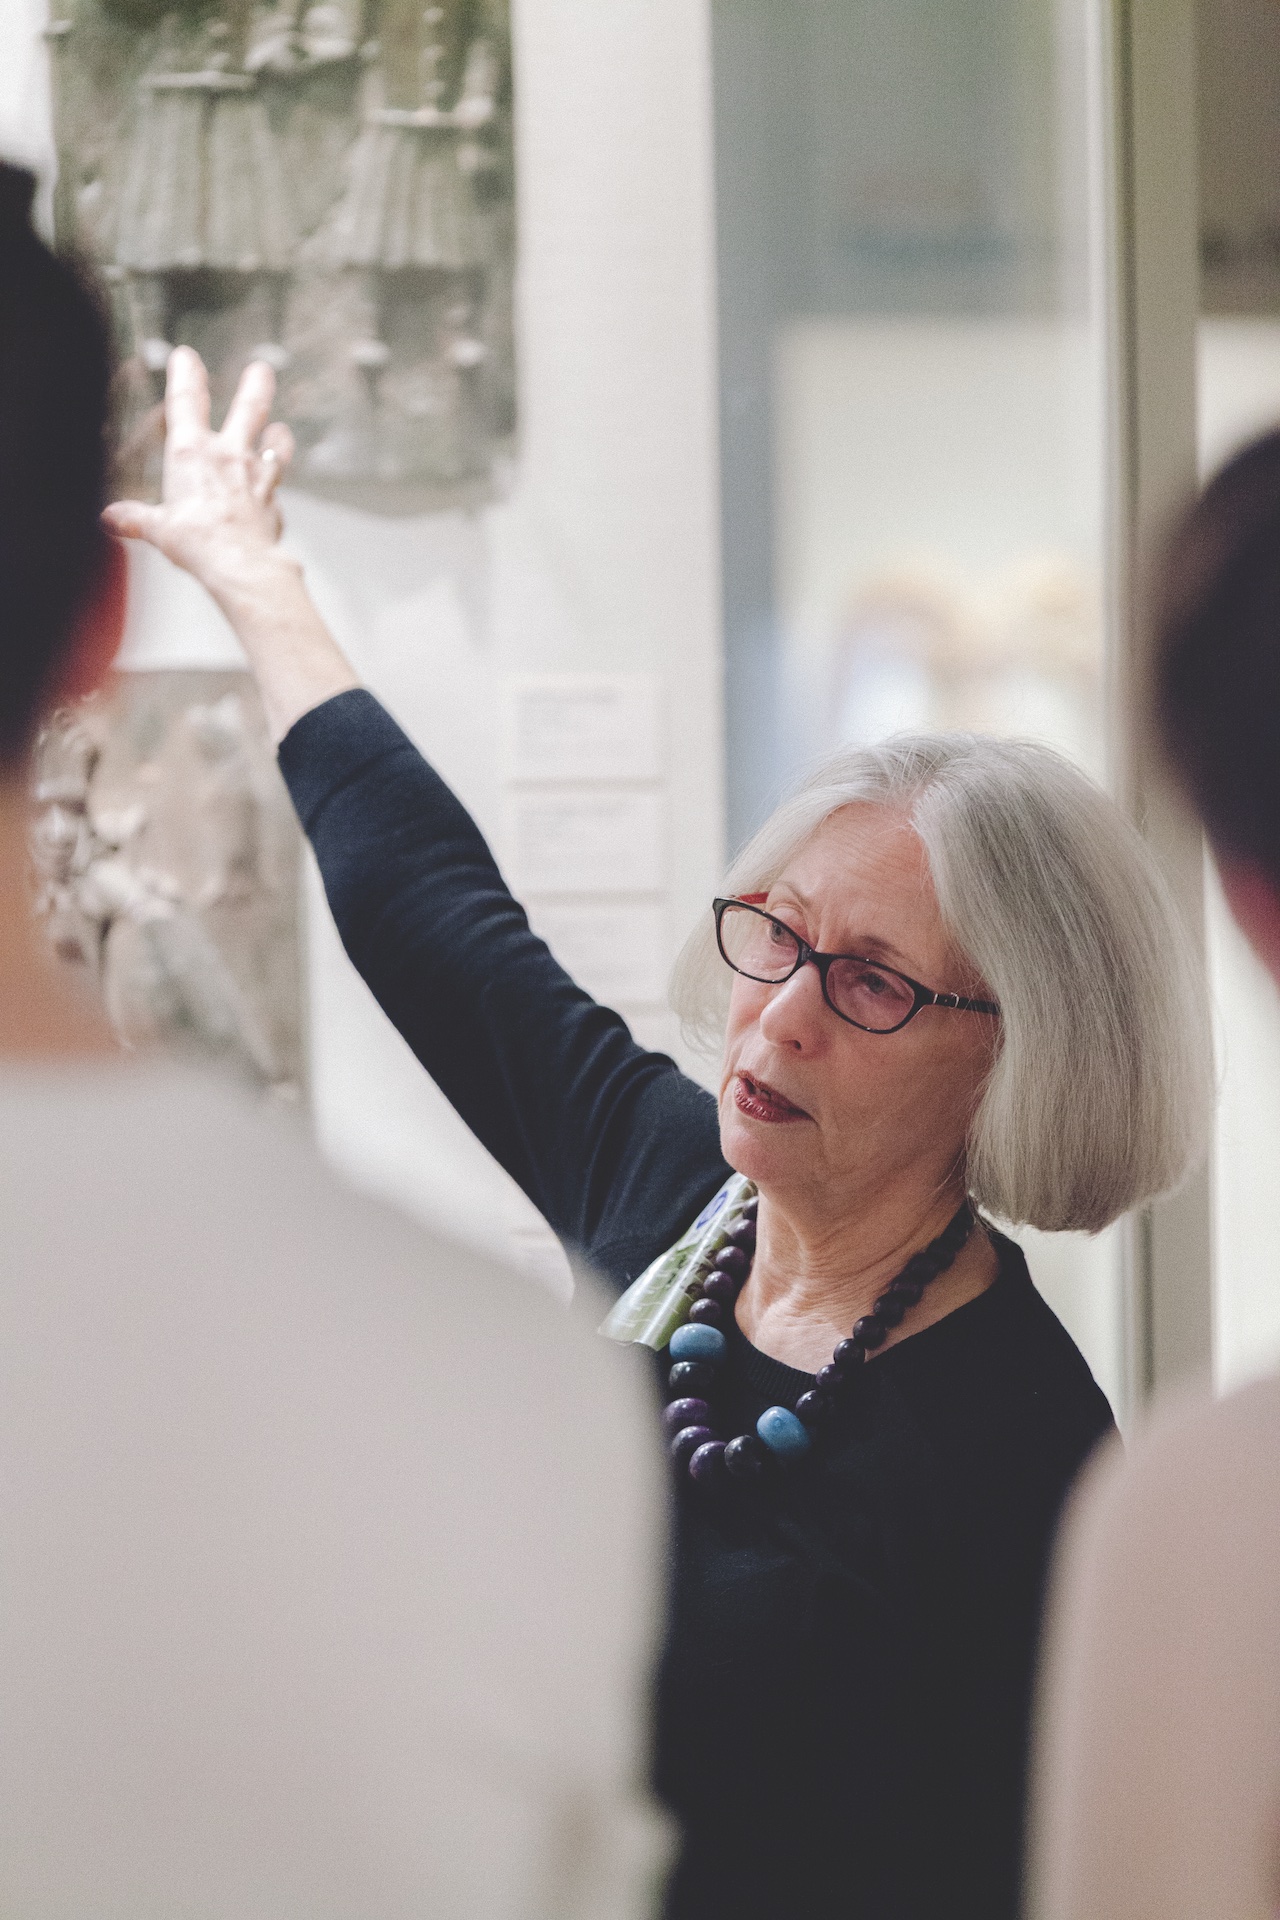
808 1285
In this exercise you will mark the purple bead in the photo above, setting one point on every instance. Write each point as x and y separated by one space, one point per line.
832 1375
868 1331
745 1458
719 1287
705 1313
890 1309
685 1413
707 1463
908 1291
734 1261
691 1376
687 1442
847 1354
742 1234
813 1408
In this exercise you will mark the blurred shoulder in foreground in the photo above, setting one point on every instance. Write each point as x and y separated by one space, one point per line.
328 1546
1159 1776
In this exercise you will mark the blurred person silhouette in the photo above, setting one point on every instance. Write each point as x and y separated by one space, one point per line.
327 1548
1158 1794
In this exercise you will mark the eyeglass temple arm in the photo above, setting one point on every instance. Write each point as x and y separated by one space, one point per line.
959 1002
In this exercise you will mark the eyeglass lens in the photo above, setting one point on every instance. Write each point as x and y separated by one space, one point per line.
763 949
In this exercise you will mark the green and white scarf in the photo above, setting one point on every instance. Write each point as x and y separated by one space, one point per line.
653 1306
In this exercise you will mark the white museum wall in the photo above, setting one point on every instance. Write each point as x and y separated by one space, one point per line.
956 460
601 561
1238 369
26 131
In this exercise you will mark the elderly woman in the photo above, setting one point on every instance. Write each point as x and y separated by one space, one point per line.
946 978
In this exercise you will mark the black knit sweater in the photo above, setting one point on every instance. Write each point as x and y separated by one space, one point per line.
843 1701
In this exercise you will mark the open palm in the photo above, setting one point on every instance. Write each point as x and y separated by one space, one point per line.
218 510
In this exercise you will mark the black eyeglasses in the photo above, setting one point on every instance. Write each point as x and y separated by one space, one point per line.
876 998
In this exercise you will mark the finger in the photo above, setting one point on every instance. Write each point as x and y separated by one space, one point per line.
250 411
132 519
278 439
267 477
186 398
273 461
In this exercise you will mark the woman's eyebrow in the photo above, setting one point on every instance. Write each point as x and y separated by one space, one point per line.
862 946
867 946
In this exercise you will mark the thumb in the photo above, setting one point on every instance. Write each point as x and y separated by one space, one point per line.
132 520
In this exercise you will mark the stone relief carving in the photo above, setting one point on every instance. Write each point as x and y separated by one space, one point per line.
167 864
327 186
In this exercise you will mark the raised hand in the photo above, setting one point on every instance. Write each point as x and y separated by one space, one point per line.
218 514
219 519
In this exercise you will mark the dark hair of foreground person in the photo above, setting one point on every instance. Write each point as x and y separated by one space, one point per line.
1217 667
55 373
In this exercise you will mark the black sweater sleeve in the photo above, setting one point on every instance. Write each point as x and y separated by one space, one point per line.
614 1145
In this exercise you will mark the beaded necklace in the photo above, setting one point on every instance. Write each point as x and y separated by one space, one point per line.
698 1349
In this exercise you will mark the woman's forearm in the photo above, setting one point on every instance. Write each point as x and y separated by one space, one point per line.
296 660
553 1085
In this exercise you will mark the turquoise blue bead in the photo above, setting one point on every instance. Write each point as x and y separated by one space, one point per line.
694 1342
782 1432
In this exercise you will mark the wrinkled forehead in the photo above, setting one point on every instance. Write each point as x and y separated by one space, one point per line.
862 878
865 847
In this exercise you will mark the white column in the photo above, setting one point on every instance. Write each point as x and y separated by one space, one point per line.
1145 67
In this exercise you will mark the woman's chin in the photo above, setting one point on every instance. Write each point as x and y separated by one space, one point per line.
756 1149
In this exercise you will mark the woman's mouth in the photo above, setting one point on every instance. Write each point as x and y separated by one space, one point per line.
759 1101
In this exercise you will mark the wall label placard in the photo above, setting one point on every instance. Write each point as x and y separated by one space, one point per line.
602 840
581 726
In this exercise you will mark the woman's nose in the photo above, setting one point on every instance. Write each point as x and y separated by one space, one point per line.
794 1015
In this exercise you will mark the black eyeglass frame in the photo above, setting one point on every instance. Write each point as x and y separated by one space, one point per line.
807 955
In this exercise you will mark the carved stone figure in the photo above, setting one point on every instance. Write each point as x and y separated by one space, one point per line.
205 186
324 186
412 228
167 859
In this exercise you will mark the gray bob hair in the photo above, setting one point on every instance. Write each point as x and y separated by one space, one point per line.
1101 1089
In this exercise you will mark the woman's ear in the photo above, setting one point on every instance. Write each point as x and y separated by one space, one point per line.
98 628
1254 899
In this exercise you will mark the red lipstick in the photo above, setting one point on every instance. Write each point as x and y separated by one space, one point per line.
759 1101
